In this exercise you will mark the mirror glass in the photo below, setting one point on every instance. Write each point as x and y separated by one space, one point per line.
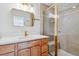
21 18
18 20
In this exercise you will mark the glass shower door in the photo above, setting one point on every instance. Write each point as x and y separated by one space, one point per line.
50 28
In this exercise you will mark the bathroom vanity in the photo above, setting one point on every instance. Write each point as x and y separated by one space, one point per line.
31 45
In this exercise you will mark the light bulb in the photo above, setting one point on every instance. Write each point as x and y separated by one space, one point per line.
74 7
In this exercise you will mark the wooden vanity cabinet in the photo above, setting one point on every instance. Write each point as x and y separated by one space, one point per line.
45 54
24 52
44 47
31 48
37 47
9 54
40 47
7 50
35 51
23 49
34 48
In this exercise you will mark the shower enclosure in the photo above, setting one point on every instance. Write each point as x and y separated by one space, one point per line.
62 26
69 27
50 28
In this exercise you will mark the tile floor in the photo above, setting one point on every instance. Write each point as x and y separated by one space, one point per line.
63 53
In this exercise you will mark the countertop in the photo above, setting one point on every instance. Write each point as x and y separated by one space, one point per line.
16 39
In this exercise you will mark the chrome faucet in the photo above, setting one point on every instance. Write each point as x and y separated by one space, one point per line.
25 33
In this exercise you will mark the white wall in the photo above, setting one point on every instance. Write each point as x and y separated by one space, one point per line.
36 10
6 27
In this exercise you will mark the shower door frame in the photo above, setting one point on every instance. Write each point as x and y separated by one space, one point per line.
55 6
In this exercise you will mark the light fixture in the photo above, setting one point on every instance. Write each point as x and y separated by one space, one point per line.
74 7
24 4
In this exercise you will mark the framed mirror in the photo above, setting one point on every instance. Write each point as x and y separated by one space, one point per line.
21 18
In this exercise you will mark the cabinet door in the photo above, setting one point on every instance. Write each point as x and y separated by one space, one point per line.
45 54
6 49
44 48
24 52
35 51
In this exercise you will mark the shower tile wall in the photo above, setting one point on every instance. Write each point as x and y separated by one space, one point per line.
69 31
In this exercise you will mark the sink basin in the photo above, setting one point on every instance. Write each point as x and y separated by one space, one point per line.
30 36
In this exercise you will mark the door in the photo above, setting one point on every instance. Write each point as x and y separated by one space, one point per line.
50 26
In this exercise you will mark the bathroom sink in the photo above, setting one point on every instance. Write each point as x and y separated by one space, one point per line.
28 36
15 39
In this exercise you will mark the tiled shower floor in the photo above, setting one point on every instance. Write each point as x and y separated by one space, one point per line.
63 53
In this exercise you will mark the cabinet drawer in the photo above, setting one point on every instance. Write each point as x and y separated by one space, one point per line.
44 41
25 52
8 54
45 54
23 45
33 43
29 44
44 48
6 48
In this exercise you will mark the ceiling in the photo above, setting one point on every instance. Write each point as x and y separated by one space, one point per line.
48 4
63 6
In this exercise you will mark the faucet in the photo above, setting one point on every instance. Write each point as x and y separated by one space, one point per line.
25 34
